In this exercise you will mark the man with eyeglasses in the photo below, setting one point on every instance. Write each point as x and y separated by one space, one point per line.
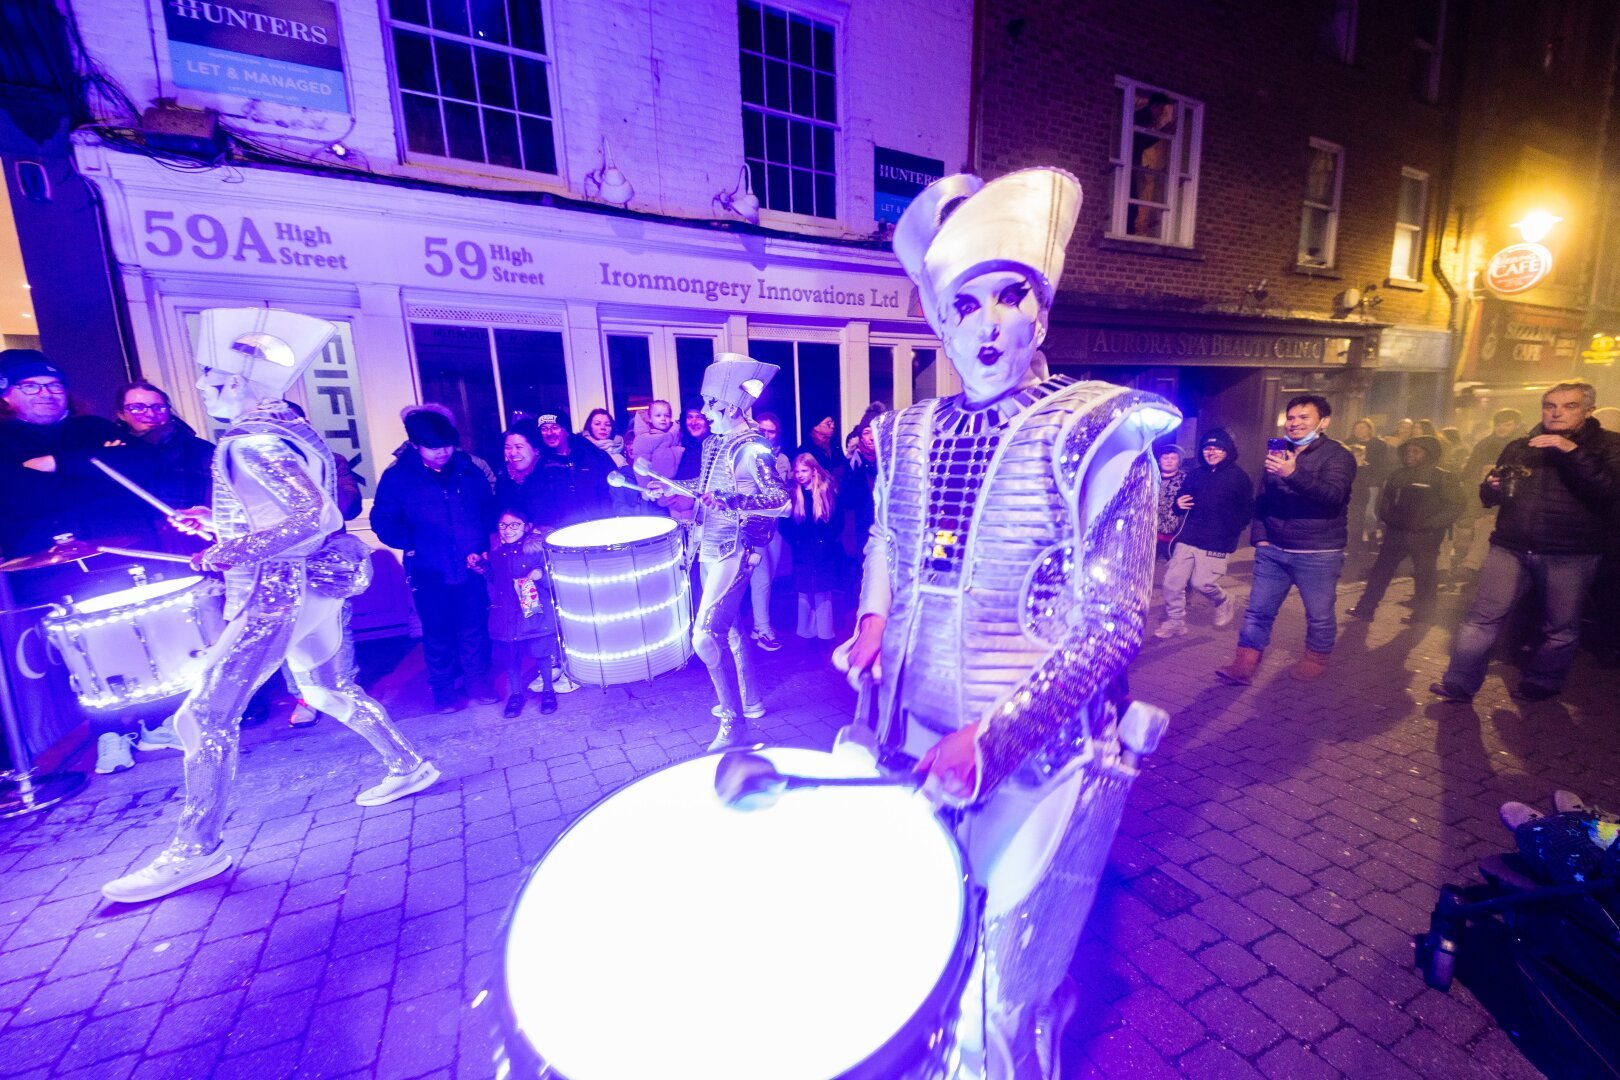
36 428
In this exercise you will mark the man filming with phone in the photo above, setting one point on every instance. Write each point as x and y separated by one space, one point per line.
1301 527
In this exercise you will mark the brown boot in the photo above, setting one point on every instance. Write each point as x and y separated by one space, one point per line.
1240 672
1310 666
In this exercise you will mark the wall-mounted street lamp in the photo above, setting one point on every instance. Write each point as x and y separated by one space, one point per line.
607 183
741 199
1535 225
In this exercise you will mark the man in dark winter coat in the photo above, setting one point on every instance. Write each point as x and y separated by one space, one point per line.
1217 499
1558 491
437 506
1417 504
1299 535
572 474
36 428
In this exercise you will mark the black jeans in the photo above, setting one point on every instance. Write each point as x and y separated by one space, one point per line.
518 653
1423 548
455 629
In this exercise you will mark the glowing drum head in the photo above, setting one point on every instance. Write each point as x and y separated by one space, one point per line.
624 605
665 935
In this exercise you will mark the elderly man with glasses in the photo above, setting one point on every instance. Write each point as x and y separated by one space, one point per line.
37 427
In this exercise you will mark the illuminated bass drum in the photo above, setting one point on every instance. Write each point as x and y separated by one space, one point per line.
665 935
624 603
139 645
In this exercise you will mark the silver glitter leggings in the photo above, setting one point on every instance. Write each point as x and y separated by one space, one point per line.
724 583
281 621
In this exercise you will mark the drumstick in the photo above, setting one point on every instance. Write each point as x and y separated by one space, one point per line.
135 553
141 493
644 468
619 480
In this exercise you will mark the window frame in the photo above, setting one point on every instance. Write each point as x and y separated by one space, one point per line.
443 163
1420 228
1186 153
1350 11
1429 94
776 215
1330 253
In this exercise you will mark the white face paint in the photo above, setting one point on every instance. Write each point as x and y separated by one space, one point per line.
994 324
722 417
225 395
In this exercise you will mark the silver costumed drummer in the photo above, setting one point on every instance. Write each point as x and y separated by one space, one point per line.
1005 587
739 492
288 569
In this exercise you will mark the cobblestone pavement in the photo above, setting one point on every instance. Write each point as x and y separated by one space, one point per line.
1275 857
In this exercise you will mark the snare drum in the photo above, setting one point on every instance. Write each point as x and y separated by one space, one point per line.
624 605
138 645
665 935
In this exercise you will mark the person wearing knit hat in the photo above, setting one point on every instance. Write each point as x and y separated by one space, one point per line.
288 568
1004 592
39 437
1171 459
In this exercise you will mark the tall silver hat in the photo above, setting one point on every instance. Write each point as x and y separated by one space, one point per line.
267 346
737 380
961 227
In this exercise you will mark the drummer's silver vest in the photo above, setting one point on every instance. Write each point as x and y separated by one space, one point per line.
723 533
974 513
235 516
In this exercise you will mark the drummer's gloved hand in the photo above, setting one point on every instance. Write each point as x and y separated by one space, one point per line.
951 766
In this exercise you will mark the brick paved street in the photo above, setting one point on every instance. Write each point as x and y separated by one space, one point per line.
1274 860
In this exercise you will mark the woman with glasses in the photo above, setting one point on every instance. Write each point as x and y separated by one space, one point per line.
161 452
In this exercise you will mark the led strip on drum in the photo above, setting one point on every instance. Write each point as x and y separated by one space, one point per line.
620 616
615 579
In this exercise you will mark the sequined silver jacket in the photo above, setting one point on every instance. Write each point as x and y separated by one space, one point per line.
1013 557
275 497
740 468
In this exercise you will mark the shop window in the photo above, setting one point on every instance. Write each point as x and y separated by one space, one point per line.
1155 157
473 79
924 374
808 389
629 376
692 355
1319 220
1428 42
1338 35
488 377
789 109
1406 260
880 383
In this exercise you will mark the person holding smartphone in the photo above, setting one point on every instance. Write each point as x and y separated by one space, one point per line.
1301 527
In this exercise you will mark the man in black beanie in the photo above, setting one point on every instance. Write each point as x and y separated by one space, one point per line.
437 506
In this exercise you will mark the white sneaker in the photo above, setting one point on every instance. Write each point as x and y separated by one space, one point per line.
562 684
394 787
162 737
165 874
1226 611
112 752
750 712
1171 628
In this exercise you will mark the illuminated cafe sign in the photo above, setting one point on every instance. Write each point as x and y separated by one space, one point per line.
1517 268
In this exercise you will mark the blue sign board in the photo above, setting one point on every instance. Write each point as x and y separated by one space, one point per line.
896 180
283 51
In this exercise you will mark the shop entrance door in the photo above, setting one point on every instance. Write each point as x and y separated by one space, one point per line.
649 363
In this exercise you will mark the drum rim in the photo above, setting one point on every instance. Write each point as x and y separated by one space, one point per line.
617 545
881 1063
76 612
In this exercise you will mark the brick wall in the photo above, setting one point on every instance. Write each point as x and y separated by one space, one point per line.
658 80
1267 89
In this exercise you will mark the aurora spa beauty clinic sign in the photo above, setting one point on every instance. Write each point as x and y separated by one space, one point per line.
284 51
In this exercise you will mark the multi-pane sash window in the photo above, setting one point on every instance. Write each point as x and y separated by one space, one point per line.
1406 259
1155 156
789 109
473 81
1339 29
1428 43
1319 223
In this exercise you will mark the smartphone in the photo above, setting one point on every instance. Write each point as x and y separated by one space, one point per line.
1276 446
